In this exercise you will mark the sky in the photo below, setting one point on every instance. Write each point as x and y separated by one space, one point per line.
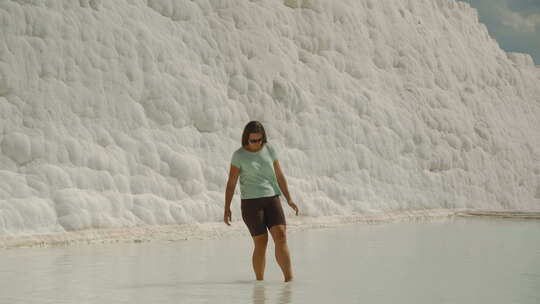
514 24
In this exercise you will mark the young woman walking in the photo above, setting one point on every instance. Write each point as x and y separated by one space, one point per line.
261 184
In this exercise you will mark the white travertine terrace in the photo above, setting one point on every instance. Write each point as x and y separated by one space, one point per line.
125 113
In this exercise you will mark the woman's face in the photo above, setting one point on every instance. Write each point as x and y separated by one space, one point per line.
255 140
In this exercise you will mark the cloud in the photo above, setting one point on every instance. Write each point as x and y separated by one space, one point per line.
515 24
519 22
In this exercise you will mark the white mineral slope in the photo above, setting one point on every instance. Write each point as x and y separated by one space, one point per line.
125 113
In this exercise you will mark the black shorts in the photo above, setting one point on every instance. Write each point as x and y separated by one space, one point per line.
259 213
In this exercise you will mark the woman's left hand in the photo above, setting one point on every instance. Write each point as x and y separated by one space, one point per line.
293 205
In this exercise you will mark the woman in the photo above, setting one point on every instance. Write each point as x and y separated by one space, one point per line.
257 165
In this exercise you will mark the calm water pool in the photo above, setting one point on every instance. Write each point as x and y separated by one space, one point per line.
459 260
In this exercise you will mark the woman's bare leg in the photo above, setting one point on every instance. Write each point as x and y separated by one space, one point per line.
259 255
282 250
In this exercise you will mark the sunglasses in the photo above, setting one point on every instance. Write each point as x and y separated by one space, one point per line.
255 140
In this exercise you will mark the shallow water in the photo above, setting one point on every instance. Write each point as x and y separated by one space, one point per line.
460 260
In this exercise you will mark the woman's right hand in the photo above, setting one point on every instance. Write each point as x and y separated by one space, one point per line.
227 217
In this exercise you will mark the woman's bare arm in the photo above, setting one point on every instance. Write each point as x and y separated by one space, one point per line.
231 185
281 180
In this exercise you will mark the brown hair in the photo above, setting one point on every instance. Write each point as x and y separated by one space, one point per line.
253 127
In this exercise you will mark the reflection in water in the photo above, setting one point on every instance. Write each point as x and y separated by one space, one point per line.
398 261
285 295
259 293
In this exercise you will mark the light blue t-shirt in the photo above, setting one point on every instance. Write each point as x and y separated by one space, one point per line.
257 175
